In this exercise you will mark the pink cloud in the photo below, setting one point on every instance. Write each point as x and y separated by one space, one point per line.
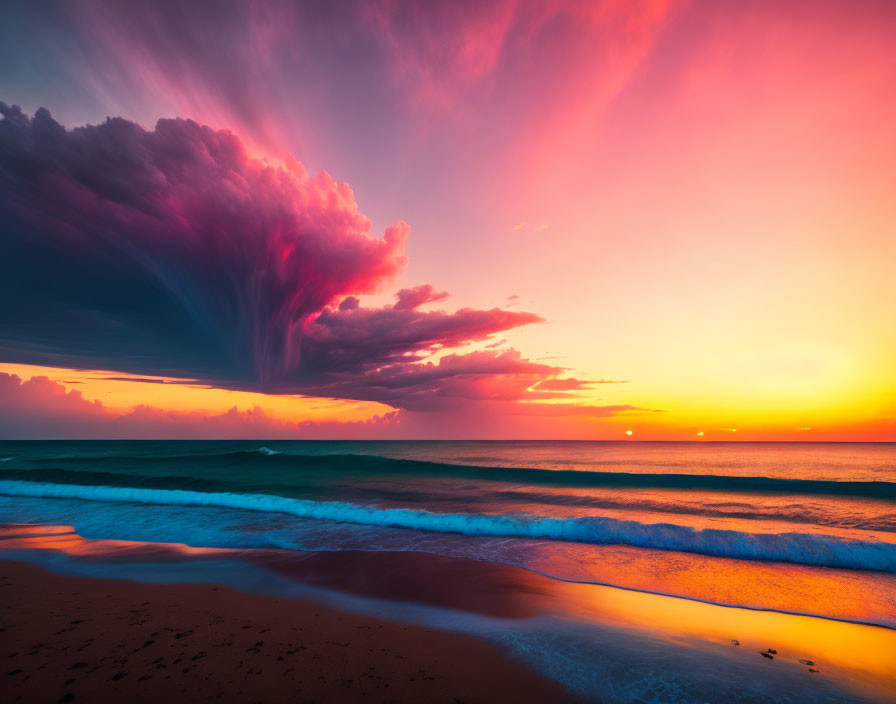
39 403
440 47
443 51
38 408
410 298
178 254
174 247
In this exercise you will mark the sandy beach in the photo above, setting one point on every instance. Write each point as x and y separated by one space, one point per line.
68 639
100 619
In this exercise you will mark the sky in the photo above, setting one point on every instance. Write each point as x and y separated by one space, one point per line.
657 220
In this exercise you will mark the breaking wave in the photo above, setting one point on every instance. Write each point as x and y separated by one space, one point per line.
799 548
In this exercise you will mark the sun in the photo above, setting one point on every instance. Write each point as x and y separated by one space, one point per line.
629 432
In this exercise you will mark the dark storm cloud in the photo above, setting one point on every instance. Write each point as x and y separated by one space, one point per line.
172 252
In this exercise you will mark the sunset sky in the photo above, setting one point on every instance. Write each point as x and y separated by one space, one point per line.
448 220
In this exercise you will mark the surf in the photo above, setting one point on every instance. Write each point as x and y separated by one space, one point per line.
798 548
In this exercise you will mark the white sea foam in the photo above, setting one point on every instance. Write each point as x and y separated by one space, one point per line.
801 548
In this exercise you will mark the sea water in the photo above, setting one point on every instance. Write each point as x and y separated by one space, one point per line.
797 528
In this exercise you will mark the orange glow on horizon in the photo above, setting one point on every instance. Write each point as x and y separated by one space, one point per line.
121 393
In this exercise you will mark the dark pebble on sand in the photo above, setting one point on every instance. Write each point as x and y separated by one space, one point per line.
67 697
119 675
772 651
766 655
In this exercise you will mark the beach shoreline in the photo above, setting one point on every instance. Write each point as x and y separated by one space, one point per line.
431 627
67 638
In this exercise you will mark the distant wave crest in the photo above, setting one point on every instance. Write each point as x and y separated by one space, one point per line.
800 548
265 460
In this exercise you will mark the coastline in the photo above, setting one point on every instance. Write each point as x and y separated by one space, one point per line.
483 631
69 638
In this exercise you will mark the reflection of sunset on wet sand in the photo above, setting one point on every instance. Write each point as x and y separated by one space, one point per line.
862 655
65 540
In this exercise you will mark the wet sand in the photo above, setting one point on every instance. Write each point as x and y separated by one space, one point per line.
102 628
76 639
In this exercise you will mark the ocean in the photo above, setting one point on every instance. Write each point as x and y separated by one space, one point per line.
793 529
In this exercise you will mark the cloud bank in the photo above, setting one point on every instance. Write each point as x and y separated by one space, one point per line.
39 408
173 252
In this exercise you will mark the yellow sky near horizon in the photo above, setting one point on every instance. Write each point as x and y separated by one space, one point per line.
712 413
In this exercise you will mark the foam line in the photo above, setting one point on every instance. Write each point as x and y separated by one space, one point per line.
799 548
